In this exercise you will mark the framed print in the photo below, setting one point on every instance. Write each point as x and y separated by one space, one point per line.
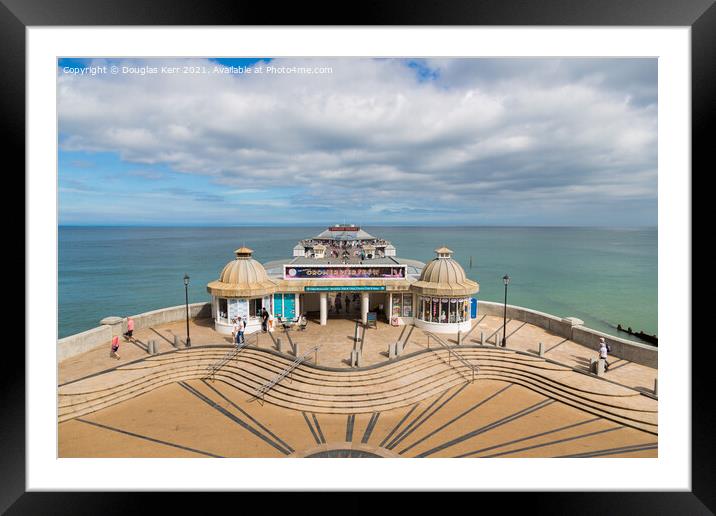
445 234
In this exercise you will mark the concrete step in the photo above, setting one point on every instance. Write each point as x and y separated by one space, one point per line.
393 385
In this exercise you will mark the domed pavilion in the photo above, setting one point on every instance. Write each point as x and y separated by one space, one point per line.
243 289
443 295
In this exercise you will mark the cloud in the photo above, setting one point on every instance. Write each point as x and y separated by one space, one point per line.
424 137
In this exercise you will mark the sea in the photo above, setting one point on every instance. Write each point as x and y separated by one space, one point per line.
604 276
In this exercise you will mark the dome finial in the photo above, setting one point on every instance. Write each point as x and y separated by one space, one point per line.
443 252
243 252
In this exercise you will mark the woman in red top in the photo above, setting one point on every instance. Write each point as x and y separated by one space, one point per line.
130 328
115 347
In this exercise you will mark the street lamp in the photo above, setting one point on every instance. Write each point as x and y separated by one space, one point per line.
186 298
506 280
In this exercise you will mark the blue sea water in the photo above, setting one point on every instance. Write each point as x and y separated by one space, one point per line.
603 276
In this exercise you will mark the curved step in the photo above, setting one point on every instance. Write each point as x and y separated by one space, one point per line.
395 384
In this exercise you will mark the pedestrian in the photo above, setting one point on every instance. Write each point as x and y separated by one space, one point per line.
240 335
115 347
130 328
338 303
348 304
604 353
264 320
235 331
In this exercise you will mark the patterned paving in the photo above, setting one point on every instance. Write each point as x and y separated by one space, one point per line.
487 418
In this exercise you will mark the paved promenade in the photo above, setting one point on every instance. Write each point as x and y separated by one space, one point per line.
485 419
421 406
336 342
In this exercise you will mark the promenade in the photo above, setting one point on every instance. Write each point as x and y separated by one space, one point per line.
336 342
420 405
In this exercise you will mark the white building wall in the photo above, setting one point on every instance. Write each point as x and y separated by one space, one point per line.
443 327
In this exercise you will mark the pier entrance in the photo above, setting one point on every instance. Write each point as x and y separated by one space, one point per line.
341 303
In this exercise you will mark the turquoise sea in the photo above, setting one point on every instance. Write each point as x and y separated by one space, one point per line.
603 276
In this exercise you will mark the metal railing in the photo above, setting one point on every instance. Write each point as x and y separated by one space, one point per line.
451 351
213 368
228 357
261 391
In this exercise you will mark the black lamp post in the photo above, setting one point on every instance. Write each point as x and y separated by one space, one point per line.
506 279
186 297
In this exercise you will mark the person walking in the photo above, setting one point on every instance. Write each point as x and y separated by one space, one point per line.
130 328
115 347
241 329
604 352
338 303
348 304
264 320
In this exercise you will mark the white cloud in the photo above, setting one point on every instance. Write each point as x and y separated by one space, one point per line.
370 134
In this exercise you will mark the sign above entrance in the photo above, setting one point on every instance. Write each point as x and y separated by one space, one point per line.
291 272
344 288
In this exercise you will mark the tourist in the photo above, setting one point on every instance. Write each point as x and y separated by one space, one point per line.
235 331
115 347
264 320
130 328
241 329
604 353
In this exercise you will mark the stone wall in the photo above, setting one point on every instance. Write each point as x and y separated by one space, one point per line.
87 340
171 314
81 342
570 328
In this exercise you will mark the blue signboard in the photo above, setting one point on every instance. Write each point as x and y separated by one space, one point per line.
342 288
473 308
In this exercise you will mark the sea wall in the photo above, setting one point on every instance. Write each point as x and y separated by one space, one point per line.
171 314
570 328
81 342
87 340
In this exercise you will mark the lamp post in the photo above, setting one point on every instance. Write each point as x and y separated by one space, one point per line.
186 298
506 280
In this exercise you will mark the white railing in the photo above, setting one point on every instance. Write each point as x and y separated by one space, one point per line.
451 351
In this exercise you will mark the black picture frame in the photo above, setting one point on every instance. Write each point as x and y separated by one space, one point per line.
17 15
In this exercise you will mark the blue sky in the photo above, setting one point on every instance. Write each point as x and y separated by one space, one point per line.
369 141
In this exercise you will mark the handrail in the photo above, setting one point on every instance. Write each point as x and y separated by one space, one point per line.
213 368
260 392
451 351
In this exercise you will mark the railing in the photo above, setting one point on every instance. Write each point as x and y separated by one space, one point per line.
213 368
460 358
261 391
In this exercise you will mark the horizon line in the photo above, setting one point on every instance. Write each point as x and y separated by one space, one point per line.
276 225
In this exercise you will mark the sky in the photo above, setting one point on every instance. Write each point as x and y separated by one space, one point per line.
313 141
